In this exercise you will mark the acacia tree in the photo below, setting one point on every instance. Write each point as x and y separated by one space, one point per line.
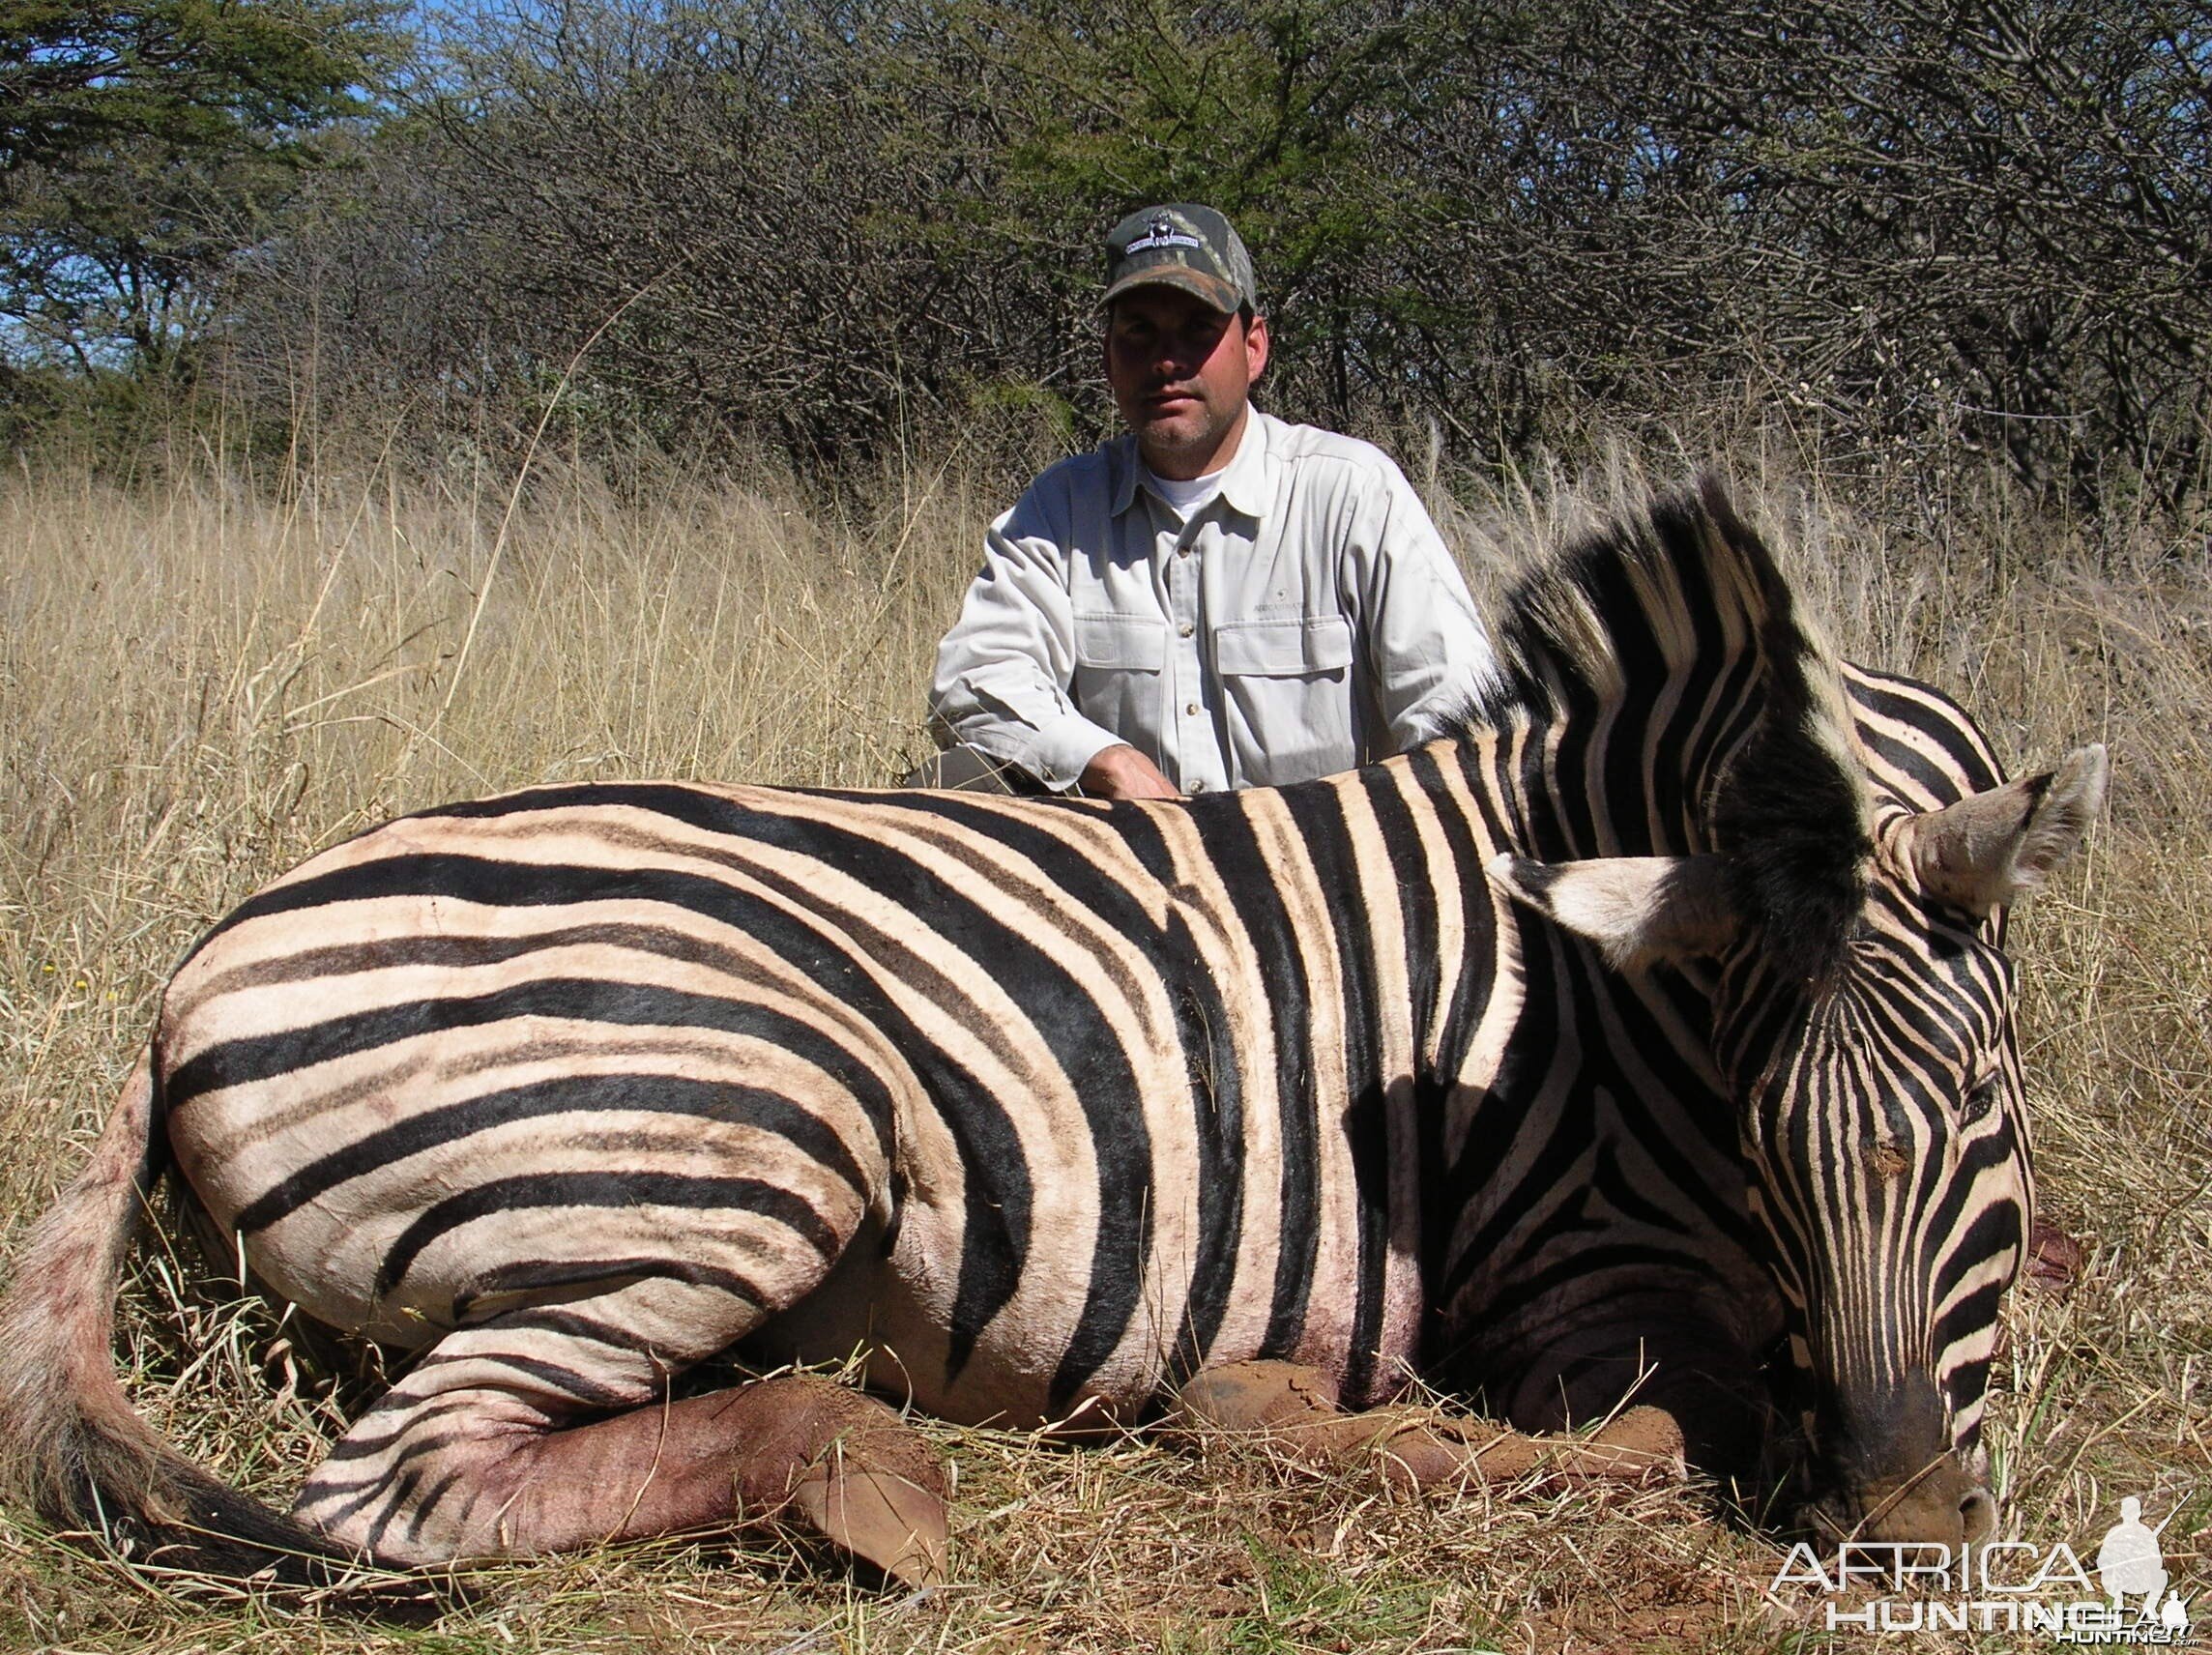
144 144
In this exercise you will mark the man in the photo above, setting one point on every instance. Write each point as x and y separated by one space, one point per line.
1215 600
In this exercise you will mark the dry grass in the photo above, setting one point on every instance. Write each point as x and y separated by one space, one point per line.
206 677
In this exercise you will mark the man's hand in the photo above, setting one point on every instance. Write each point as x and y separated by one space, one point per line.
1120 772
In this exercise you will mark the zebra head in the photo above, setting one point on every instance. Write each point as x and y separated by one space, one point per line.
1837 886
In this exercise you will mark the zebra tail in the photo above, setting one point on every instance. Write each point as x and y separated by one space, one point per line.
70 1446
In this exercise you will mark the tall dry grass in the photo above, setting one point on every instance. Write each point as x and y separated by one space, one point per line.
207 675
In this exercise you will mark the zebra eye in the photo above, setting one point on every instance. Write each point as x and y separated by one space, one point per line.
1980 1097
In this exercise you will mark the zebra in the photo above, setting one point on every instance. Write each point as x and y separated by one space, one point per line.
1648 1035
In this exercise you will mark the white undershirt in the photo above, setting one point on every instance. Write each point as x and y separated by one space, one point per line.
1188 497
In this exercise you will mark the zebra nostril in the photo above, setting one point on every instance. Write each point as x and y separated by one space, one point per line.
1978 1513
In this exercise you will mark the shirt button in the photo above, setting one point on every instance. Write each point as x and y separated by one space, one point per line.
1192 710
1182 551
1185 629
1198 787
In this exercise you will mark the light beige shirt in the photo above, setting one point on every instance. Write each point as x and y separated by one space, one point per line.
1306 619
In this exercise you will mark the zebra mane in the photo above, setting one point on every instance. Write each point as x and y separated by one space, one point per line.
1672 638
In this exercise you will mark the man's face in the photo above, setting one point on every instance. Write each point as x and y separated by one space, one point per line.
1180 371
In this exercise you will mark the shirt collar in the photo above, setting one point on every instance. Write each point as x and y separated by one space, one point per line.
1243 485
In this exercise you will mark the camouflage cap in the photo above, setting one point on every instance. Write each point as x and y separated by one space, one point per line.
1183 245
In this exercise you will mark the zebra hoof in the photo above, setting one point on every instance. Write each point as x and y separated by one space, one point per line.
1252 1396
880 1516
847 1467
1643 1442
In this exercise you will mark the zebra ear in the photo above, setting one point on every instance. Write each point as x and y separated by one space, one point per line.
1637 910
1993 847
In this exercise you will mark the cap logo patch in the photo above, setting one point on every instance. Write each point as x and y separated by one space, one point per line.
1161 232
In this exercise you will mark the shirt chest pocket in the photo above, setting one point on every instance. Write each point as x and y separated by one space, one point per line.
1294 647
1287 684
1119 681
1105 642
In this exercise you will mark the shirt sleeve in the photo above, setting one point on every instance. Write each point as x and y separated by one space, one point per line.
1005 668
1425 644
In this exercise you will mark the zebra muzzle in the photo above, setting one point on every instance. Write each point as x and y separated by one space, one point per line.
1939 1503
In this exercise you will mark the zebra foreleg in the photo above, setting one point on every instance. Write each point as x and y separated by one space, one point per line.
1293 1411
440 1474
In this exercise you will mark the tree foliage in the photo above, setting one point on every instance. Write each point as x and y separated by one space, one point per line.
1907 222
1995 220
144 145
